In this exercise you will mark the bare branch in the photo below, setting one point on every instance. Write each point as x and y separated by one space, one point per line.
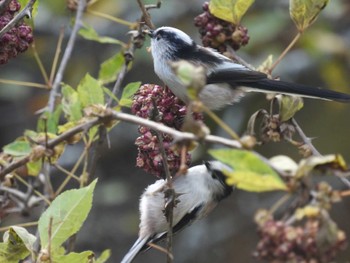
305 139
145 15
177 135
66 56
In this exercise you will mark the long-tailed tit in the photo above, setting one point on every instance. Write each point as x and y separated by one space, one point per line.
199 191
227 81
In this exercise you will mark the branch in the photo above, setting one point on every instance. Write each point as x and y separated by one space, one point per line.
128 55
284 53
177 135
26 12
66 56
305 139
145 15
113 115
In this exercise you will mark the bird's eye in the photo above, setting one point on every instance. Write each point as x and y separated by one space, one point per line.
158 37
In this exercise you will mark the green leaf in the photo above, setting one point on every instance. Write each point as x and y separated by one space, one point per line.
34 168
128 93
333 161
83 257
17 245
250 172
230 10
49 121
110 68
104 256
89 33
90 91
305 12
18 148
289 105
71 104
67 212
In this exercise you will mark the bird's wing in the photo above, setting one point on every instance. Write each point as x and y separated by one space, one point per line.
234 73
187 219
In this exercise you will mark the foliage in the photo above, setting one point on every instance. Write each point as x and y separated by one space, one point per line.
83 114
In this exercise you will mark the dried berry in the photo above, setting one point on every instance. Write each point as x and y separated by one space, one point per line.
280 242
170 111
18 38
218 33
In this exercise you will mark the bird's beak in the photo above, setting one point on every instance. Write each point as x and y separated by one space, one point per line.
148 32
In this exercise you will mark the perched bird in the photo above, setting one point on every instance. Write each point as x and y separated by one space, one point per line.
227 80
199 191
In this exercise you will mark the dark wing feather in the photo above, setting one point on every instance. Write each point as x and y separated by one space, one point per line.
235 75
185 221
260 82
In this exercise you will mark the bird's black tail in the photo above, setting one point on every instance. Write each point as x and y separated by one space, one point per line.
270 85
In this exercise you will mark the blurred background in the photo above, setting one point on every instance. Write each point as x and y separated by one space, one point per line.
321 58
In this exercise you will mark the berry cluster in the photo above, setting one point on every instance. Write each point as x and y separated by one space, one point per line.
218 33
18 38
283 243
171 112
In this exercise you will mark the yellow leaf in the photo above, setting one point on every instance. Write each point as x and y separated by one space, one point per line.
305 12
250 172
335 161
254 182
289 105
230 10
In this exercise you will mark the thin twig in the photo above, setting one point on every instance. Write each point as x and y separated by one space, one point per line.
145 15
169 193
121 76
27 224
24 182
66 56
111 18
284 53
222 124
23 83
26 12
40 64
57 54
238 58
305 139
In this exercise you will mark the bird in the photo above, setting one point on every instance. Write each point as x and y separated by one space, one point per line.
198 193
226 80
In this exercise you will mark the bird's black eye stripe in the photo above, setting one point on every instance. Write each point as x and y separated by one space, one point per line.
221 177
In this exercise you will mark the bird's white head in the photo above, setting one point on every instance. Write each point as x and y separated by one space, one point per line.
167 41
